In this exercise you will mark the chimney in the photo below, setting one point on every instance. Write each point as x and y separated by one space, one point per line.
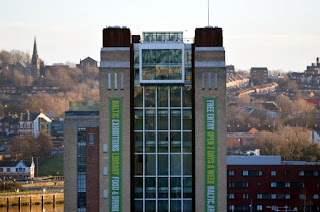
28 112
21 116
318 60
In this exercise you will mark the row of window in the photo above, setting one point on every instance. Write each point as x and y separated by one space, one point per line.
163 205
258 173
273 185
159 187
159 119
8 170
272 196
164 168
162 144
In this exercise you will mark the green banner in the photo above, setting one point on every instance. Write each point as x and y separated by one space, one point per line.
211 190
115 117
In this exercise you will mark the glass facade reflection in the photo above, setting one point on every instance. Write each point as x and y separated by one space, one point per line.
162 64
163 148
163 125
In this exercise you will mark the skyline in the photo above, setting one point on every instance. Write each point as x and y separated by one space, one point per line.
278 35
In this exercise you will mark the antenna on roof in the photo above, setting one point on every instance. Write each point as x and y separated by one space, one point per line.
208 12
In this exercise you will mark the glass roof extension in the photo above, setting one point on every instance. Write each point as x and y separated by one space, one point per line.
162 36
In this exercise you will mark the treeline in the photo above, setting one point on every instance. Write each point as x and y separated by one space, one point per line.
73 85
23 148
293 113
292 143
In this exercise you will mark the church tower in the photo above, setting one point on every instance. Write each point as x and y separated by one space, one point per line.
35 62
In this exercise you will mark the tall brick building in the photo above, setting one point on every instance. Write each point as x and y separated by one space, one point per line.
157 142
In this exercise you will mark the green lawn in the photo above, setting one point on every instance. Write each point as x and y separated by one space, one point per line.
51 167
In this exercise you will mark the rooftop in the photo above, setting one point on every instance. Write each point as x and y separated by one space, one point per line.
264 160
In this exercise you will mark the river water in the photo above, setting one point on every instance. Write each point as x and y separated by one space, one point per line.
34 208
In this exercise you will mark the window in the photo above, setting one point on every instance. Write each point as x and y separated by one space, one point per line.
286 173
273 184
230 196
91 139
1 169
302 196
273 173
245 196
259 207
259 196
316 185
301 173
252 173
238 184
316 196
230 173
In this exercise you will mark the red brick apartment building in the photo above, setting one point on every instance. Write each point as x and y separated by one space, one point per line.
266 183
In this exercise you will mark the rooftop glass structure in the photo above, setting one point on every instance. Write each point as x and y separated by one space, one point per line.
162 36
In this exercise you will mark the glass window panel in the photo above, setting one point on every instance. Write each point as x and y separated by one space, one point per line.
162 56
175 190
187 96
162 187
136 76
175 73
162 96
150 96
187 206
163 164
187 142
175 141
148 56
163 142
150 187
162 119
175 120
138 161
150 206
175 96
138 206
187 57
188 75
136 58
175 56
150 141
149 73
175 164
187 187
138 142
175 206
138 187
187 164
163 206
162 72
187 119
138 119
150 165
150 120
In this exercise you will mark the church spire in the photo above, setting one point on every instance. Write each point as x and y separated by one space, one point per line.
35 51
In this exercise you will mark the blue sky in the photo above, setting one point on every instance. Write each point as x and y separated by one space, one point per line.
280 34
